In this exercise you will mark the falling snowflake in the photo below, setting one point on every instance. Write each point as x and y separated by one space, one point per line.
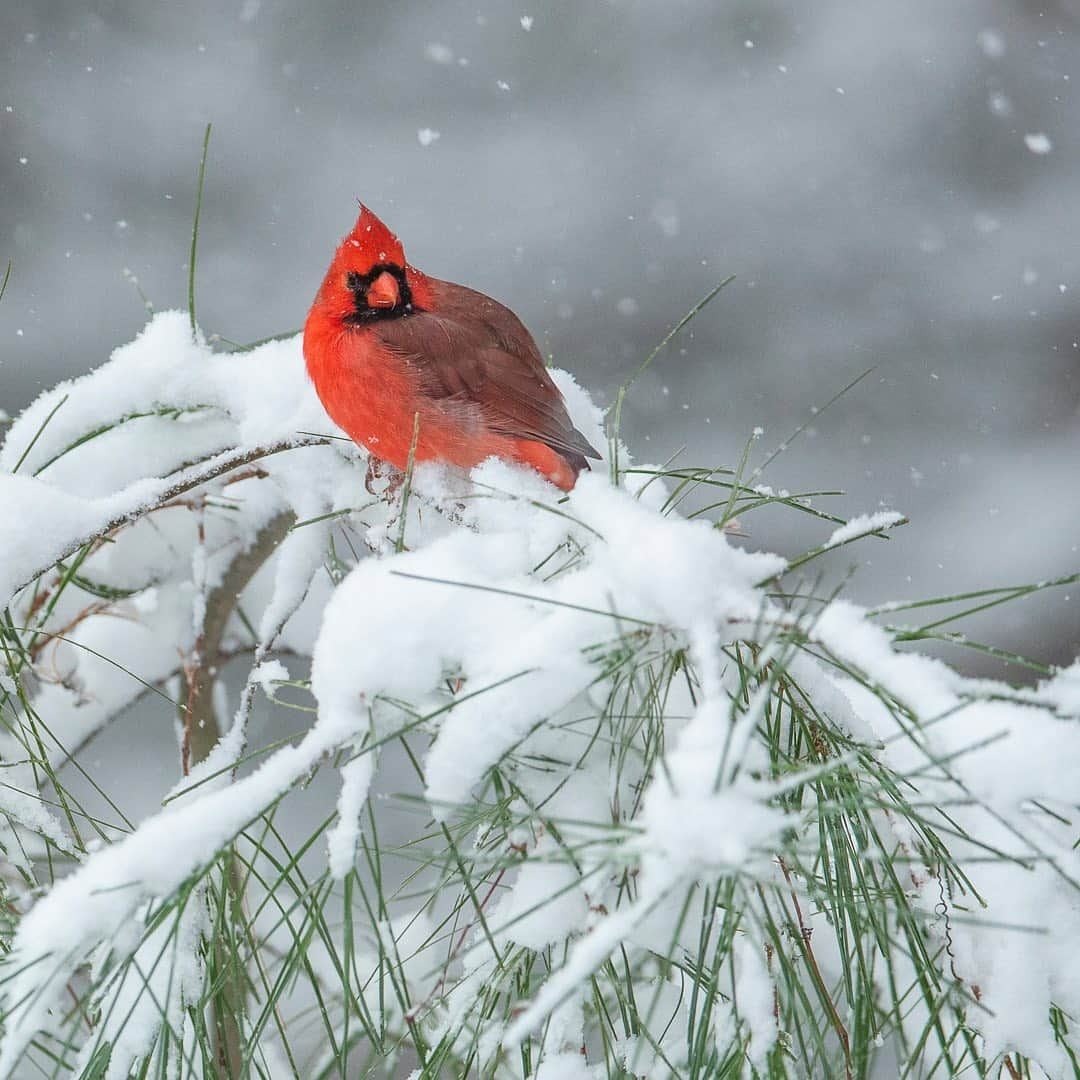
1038 142
991 43
438 53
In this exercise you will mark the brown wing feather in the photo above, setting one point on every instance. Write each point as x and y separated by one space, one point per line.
474 349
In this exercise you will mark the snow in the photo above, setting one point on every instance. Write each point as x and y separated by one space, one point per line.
1038 142
438 53
863 525
991 43
755 999
427 136
343 839
27 809
519 642
43 524
546 904
564 1067
268 673
699 833
587 955
501 625
96 901
165 972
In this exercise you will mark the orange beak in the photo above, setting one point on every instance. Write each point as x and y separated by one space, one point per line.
383 291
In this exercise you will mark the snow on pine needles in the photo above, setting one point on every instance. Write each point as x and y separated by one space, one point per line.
673 811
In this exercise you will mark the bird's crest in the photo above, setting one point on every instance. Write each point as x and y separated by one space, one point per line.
369 244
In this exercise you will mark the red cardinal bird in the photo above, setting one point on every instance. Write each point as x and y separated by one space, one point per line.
385 342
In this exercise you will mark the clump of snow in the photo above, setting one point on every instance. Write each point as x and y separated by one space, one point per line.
547 903
270 672
341 844
705 831
863 525
428 136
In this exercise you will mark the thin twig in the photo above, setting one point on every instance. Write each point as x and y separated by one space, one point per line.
808 952
195 228
211 470
406 489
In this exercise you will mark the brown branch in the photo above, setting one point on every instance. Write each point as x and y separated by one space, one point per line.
101 607
805 933
226 655
200 672
201 734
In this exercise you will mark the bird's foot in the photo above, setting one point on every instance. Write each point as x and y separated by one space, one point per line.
374 471
382 470
397 478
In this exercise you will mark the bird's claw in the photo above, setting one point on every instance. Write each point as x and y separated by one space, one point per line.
379 470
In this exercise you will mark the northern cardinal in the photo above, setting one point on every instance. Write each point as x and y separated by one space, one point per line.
384 343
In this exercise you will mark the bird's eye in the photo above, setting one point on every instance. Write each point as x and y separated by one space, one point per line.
353 281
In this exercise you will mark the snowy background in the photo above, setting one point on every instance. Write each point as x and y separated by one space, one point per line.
893 184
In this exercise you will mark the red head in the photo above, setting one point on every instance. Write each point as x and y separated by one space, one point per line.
369 278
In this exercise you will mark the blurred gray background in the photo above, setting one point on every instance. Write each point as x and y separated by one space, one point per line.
895 185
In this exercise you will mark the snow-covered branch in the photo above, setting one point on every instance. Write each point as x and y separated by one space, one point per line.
648 784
